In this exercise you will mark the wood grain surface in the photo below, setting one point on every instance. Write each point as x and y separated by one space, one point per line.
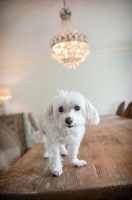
107 148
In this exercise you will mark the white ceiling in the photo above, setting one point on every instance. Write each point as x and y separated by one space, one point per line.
27 26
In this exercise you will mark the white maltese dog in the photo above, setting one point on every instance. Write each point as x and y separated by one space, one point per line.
63 122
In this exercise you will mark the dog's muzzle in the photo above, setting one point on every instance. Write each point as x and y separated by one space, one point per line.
69 121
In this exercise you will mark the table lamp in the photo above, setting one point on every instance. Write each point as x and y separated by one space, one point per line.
5 95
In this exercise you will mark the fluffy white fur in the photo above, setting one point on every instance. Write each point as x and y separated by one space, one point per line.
56 132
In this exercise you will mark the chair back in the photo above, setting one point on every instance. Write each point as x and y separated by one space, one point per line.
10 147
120 110
33 118
128 111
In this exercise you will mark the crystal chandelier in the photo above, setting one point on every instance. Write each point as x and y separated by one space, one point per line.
69 48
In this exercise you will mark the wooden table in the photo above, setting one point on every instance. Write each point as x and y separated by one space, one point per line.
107 148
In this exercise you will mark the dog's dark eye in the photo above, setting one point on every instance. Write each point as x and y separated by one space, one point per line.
61 109
77 108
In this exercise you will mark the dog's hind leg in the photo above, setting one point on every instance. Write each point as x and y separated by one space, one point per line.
46 153
63 150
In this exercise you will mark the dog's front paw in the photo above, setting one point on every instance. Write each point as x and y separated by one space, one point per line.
46 154
56 172
79 163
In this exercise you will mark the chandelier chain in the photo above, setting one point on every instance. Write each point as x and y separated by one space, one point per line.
64 2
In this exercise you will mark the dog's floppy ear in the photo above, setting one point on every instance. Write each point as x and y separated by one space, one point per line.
91 113
48 112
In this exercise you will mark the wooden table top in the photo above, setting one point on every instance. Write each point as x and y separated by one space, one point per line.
107 148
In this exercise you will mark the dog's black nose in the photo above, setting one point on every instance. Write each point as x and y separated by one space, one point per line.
68 120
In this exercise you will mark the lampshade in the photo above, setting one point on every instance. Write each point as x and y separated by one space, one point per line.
5 93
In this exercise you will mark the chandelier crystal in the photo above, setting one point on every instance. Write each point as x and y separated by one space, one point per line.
69 48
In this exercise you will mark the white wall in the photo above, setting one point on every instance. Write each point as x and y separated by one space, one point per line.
104 80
